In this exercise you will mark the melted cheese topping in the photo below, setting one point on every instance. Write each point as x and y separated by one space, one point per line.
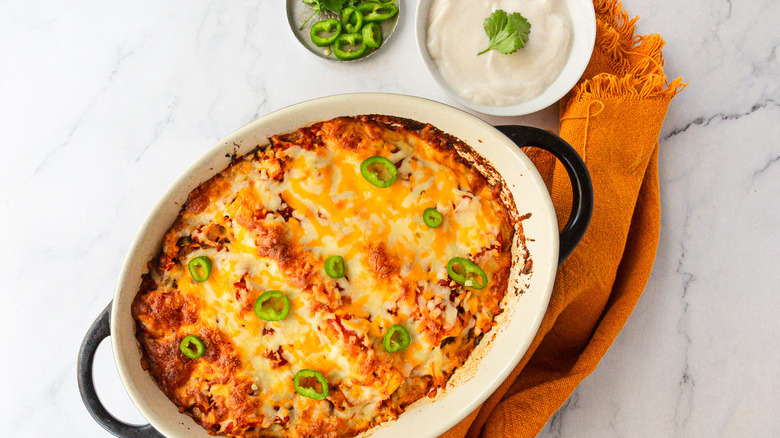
268 222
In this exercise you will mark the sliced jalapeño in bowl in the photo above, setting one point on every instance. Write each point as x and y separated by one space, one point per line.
347 30
325 32
352 19
349 46
372 35
376 11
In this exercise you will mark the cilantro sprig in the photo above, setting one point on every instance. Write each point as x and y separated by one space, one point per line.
507 33
320 6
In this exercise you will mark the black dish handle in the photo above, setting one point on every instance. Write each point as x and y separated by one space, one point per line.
100 330
582 188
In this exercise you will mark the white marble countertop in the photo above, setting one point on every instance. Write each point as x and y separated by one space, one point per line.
103 104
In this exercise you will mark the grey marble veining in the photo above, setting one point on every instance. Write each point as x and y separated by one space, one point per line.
698 358
103 104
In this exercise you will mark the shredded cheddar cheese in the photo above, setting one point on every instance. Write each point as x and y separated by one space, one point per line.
268 222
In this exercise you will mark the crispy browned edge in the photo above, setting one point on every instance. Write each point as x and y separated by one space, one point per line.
436 138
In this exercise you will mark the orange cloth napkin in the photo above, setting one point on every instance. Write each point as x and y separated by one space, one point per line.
612 118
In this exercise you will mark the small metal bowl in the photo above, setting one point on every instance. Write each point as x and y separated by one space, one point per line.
298 12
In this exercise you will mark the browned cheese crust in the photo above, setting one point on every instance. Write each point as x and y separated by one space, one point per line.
268 222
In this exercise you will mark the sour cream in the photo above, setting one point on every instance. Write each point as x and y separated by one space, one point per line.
456 34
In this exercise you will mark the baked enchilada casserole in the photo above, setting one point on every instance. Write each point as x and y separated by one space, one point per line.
319 285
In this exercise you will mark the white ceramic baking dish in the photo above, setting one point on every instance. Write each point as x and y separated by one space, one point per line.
488 365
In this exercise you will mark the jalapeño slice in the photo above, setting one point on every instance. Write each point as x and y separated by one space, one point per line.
396 339
379 171
349 46
200 268
192 347
465 272
372 35
306 388
376 11
432 217
272 306
324 33
352 19
334 266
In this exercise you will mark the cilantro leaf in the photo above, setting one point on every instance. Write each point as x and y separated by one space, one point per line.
507 33
333 5
320 6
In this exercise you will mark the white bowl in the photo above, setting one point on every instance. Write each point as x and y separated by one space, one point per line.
583 21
